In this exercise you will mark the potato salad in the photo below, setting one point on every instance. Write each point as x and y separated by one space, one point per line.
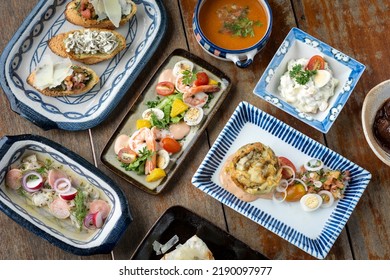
308 84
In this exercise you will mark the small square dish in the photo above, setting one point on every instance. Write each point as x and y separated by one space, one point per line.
345 70
34 174
184 223
313 232
28 48
139 134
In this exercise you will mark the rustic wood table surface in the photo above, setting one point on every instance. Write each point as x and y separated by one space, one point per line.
359 28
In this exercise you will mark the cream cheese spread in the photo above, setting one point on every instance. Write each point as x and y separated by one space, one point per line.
91 42
312 96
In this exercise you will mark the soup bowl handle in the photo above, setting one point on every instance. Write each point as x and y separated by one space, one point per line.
242 63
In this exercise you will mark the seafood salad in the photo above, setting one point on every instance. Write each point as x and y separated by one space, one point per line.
180 101
58 194
308 84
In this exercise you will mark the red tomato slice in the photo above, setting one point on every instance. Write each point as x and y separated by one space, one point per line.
165 88
127 155
170 145
286 173
201 79
315 63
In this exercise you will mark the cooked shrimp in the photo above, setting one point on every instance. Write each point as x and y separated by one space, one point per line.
100 206
144 138
195 99
204 88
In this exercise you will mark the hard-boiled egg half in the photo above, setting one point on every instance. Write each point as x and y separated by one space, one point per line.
311 202
193 116
181 66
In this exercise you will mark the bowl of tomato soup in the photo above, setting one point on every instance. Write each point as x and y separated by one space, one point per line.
234 30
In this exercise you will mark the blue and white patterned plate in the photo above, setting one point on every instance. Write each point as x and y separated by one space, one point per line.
299 44
313 232
38 221
29 44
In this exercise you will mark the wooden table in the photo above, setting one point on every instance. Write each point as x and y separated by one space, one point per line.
358 28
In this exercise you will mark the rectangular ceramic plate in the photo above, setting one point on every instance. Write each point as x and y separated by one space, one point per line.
27 47
39 220
313 232
182 222
299 44
128 124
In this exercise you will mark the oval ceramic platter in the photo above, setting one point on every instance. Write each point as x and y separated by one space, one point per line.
29 45
313 232
39 220
128 126
299 44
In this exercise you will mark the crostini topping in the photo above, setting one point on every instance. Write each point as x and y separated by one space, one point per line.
111 9
91 42
51 74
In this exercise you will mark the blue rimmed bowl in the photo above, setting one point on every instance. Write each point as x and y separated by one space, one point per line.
101 241
241 58
299 44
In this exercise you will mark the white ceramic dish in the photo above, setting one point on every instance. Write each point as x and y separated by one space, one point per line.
38 221
27 47
299 44
313 232
373 101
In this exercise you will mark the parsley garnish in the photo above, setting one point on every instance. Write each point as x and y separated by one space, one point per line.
241 26
188 77
301 76
80 209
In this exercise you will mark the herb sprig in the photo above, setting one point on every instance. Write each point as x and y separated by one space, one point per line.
301 76
80 209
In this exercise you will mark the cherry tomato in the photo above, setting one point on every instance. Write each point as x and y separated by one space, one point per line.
165 88
315 63
201 79
170 145
295 192
127 155
286 173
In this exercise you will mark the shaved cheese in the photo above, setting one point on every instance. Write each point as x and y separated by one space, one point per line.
113 10
51 74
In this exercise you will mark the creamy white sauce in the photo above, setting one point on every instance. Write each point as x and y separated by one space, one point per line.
312 96
91 42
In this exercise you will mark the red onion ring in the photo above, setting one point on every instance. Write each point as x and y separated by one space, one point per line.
25 182
62 185
88 221
292 178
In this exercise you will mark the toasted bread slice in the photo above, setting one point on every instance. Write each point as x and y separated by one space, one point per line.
73 16
94 79
57 45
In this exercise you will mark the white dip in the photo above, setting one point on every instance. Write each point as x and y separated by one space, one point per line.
312 96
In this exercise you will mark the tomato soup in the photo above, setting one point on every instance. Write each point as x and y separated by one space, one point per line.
233 24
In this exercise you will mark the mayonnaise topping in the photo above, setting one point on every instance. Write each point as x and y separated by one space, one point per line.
312 96
91 42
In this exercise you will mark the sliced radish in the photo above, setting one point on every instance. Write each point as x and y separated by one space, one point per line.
32 181
69 195
97 219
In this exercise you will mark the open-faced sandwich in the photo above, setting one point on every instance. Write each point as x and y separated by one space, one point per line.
108 14
88 46
60 78
252 172
193 249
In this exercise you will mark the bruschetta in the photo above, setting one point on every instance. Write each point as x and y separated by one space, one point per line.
62 78
88 46
107 14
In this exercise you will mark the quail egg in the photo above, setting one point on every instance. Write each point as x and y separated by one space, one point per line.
182 66
147 114
193 116
162 159
311 202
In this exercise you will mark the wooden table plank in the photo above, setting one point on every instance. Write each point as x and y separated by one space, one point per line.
244 80
359 29
17 242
